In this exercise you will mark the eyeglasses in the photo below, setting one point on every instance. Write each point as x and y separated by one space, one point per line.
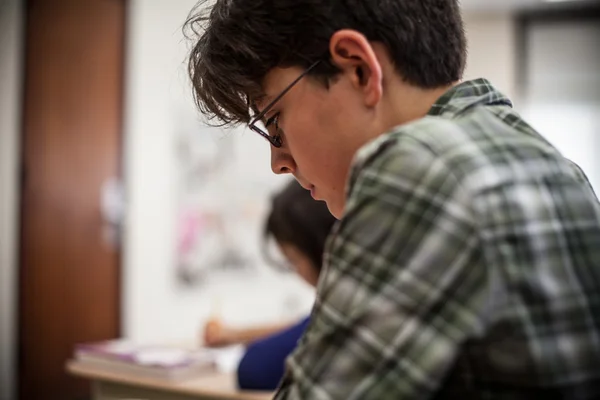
263 130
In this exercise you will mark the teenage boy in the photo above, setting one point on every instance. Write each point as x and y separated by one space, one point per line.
466 262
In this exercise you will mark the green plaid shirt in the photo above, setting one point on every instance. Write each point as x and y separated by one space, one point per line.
467 265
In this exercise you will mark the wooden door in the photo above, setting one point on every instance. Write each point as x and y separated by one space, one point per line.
72 117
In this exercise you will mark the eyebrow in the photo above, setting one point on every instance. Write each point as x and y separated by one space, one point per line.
267 100
264 99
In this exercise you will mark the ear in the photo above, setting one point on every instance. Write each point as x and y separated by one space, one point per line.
353 54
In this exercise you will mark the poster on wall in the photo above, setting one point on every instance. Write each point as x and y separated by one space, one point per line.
224 186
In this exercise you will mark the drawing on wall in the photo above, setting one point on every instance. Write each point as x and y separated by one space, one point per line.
224 186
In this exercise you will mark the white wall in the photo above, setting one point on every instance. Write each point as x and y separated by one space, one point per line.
562 95
492 49
155 307
562 99
10 101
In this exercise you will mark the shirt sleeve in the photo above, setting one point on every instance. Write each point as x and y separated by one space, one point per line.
402 288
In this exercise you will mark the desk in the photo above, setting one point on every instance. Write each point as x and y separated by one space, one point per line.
118 386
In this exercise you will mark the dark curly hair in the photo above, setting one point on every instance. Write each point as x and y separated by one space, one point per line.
237 42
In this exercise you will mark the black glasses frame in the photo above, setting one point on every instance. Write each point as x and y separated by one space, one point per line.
276 140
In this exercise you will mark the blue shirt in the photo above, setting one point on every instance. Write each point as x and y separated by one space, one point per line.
263 364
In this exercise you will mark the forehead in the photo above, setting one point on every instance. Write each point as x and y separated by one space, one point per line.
274 82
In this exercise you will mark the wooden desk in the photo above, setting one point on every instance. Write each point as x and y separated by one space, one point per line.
118 386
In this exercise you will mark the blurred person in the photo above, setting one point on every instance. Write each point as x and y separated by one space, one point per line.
300 226
467 260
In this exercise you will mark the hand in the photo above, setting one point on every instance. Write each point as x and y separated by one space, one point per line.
216 334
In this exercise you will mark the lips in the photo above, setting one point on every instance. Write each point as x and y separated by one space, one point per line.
309 187
306 186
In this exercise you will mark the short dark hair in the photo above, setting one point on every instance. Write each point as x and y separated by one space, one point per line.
297 219
239 41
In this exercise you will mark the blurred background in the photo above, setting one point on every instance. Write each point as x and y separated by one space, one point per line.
122 215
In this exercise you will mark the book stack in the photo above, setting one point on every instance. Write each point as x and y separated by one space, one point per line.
151 361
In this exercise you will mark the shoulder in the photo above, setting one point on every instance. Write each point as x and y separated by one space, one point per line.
465 148
414 153
426 138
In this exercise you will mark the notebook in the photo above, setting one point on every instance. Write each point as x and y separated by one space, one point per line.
151 361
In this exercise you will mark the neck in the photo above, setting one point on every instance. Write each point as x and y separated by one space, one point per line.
406 103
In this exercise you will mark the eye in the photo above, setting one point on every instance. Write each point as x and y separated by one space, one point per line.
274 122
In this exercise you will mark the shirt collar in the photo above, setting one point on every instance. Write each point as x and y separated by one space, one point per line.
466 95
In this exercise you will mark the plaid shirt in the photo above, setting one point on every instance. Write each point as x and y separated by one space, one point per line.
467 265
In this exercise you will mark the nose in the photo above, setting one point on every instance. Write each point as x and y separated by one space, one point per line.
282 161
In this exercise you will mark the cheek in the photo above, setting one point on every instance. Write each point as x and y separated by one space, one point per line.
315 163
310 145
316 134
319 161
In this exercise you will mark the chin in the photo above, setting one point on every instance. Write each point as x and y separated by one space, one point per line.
335 210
